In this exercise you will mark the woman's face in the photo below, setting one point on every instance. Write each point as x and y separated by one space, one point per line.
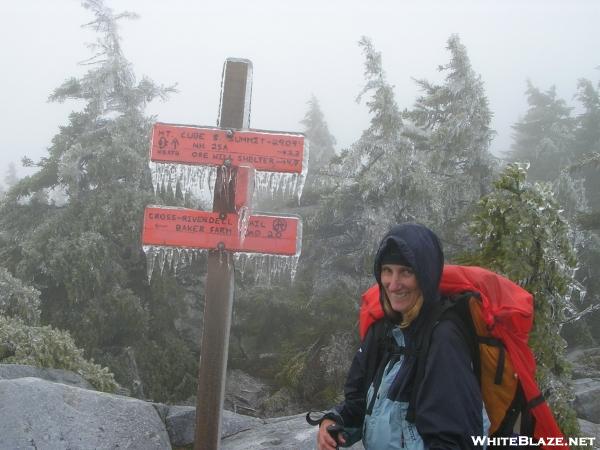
401 286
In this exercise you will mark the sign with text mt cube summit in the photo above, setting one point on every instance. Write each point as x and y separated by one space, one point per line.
269 151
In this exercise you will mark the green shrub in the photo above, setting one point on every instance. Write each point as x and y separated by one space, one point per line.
49 348
18 299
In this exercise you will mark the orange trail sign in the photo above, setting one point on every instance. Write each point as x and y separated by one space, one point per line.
268 151
190 228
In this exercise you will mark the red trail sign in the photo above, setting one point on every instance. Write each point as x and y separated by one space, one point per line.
268 151
190 228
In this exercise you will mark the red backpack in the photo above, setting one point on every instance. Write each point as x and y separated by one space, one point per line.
502 315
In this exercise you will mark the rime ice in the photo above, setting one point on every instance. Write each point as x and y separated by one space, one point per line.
198 180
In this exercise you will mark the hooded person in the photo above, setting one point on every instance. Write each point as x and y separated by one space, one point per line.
448 409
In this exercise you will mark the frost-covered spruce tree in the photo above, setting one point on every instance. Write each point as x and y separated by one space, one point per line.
83 252
322 149
522 235
587 167
553 141
377 182
587 142
544 137
11 178
380 179
452 123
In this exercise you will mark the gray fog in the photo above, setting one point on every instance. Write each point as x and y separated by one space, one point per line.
298 49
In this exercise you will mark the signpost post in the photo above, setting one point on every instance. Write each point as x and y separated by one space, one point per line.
237 152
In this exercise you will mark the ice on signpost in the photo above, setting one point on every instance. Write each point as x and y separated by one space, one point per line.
266 267
243 221
195 180
260 162
173 257
190 155
272 244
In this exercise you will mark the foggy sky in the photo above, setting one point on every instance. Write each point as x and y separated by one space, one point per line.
297 49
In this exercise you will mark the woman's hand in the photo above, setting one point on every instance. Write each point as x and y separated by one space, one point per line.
324 440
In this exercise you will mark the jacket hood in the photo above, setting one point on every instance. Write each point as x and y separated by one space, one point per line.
423 251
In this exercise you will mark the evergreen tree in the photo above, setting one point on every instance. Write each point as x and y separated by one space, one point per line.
84 255
587 142
553 142
522 235
587 166
11 178
545 136
322 150
381 178
377 182
280 319
453 129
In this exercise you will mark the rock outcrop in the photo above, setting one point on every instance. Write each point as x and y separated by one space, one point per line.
587 399
181 423
283 433
59 412
14 371
36 413
585 362
592 430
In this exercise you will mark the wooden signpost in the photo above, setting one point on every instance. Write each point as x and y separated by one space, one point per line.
237 152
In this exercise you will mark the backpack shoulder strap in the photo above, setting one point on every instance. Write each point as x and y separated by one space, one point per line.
459 312
380 329
455 309
388 351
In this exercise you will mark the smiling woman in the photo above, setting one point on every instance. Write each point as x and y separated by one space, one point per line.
376 408
402 292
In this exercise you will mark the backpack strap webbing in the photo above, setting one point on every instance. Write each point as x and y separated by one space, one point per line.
488 340
516 409
536 401
423 342
390 353
528 420
519 407
380 330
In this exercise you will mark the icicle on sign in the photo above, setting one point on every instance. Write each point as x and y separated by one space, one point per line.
266 151
179 227
187 154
